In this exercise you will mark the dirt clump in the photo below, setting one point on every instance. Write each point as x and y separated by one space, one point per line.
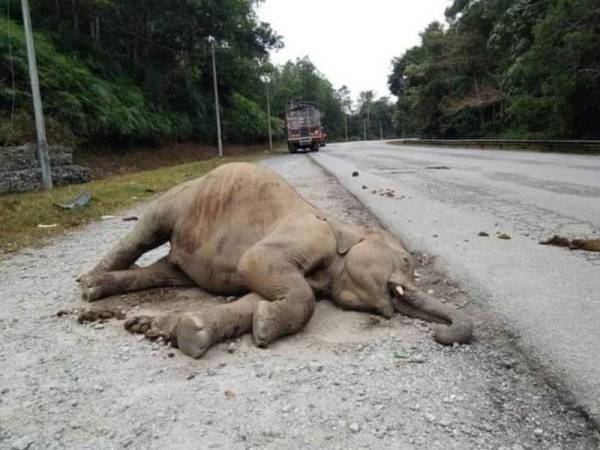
590 245
99 315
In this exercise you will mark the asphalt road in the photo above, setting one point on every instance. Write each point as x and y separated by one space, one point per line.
548 297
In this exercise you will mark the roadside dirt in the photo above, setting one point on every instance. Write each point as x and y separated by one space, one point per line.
349 380
590 245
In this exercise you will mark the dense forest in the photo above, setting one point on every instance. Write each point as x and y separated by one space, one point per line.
116 72
509 68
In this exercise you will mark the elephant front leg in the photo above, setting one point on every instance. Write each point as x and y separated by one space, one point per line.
289 301
273 320
160 274
197 331
150 232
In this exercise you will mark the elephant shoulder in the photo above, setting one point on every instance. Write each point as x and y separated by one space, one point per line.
303 239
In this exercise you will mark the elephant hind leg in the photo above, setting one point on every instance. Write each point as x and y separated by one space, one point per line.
160 274
197 331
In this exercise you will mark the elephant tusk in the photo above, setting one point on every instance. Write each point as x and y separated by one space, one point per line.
399 290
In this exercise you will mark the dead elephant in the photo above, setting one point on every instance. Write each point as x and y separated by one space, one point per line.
243 230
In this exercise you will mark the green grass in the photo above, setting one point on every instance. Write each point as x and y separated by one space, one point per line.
20 214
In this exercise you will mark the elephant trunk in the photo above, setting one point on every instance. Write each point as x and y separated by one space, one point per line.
418 303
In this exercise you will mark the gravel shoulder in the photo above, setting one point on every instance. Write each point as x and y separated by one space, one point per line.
349 380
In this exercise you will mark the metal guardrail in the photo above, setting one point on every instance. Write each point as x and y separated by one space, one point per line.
566 146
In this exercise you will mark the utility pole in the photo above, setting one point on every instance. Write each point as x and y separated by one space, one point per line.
269 114
380 130
365 128
40 129
346 125
212 40
266 79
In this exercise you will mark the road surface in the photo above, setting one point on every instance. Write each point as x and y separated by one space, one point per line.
549 297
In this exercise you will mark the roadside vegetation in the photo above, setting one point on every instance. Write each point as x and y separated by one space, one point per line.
121 72
503 68
117 73
27 219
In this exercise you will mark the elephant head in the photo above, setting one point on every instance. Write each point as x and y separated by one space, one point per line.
374 272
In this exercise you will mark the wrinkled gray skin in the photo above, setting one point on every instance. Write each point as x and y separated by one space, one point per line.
243 230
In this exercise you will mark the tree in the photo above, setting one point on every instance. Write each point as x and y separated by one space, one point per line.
129 71
300 80
503 68
555 83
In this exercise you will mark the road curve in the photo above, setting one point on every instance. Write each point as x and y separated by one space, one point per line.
549 297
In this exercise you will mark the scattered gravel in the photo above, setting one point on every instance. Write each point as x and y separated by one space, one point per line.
354 427
349 380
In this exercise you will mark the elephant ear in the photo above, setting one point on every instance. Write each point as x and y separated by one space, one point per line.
346 236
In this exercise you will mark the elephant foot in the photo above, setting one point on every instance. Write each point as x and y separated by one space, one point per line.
188 332
193 335
99 283
265 326
95 286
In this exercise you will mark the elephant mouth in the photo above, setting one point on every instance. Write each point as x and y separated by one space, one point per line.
401 301
397 293
398 290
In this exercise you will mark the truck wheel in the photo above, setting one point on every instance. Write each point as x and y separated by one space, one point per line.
315 147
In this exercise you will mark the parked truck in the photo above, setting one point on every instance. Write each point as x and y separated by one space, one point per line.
304 130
